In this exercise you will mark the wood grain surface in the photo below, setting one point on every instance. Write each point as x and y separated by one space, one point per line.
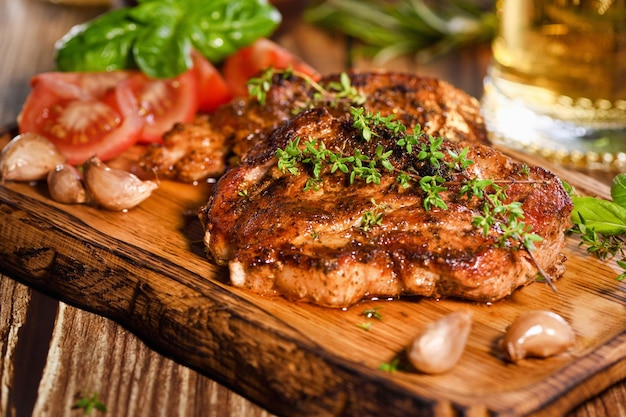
193 338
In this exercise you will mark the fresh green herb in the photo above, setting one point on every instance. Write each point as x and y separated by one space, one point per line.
508 216
373 217
259 86
425 29
372 313
331 95
317 156
432 188
339 91
157 36
602 216
90 402
357 165
365 121
289 157
459 161
365 326
408 141
618 189
476 187
603 246
525 170
390 367
601 223
432 153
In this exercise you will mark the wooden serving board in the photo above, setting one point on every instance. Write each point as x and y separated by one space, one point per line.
146 269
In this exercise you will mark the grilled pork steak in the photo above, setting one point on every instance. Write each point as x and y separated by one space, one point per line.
201 149
340 241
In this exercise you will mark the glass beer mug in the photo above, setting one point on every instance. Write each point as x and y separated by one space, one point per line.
557 84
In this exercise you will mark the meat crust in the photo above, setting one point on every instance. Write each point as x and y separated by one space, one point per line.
312 246
205 147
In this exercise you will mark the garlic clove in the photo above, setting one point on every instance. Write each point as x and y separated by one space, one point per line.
537 333
440 346
29 157
115 189
65 185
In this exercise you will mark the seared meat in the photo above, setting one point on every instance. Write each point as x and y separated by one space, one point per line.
338 242
201 149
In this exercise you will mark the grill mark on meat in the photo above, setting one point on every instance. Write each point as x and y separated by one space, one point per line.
207 146
308 246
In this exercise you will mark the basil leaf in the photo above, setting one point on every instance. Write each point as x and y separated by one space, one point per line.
221 27
104 44
155 43
618 189
602 216
156 36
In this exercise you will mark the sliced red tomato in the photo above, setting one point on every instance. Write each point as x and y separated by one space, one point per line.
213 91
262 54
164 102
83 114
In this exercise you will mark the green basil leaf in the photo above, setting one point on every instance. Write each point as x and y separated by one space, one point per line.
603 216
618 189
156 36
161 51
157 11
103 44
221 27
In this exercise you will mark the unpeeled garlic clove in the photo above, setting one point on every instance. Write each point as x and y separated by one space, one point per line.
537 333
114 189
440 346
29 157
65 185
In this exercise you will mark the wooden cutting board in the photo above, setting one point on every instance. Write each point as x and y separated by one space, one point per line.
146 269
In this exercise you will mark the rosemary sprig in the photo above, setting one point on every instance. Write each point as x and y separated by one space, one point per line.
425 29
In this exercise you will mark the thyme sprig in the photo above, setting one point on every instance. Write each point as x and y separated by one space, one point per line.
506 218
332 94
603 246
373 217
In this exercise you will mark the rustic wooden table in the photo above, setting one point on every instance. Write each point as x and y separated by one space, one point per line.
51 353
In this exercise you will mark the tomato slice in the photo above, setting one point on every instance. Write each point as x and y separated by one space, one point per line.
83 114
164 102
213 91
249 61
